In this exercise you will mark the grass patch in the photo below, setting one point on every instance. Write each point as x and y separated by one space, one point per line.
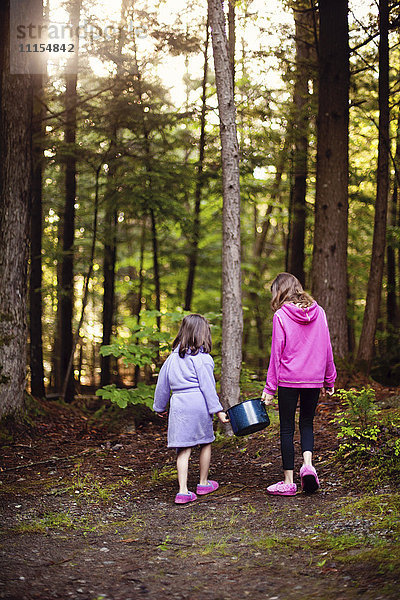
51 520
164 474
64 521
266 542
366 553
218 547
383 510
90 488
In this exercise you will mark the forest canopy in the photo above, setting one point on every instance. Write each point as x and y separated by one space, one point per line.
124 200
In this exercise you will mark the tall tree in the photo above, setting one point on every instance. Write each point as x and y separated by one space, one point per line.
366 344
35 275
148 163
300 131
15 183
111 215
109 262
391 299
193 254
66 296
329 277
232 37
232 317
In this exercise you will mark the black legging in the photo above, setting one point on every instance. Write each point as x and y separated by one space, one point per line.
287 401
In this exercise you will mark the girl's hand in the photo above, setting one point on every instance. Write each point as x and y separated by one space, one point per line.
222 416
163 414
329 391
267 398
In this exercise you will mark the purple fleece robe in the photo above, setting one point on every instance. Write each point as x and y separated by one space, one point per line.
194 398
301 351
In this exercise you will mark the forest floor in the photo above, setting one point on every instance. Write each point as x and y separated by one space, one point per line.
89 515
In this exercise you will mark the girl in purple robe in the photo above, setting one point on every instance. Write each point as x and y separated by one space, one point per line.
189 374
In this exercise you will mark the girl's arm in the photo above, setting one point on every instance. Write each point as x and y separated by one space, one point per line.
162 393
277 346
204 367
330 370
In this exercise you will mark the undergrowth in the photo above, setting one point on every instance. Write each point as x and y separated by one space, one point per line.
369 438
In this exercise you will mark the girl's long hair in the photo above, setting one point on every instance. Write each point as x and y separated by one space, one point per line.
287 288
194 335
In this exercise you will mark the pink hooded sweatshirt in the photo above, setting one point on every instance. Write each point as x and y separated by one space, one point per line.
301 351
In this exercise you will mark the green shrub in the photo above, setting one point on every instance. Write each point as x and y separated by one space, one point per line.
368 437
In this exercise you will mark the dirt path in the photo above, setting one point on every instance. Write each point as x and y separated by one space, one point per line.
101 524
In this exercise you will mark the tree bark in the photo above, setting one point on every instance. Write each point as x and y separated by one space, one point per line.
110 257
193 256
156 266
35 276
331 202
56 352
301 99
111 217
138 307
66 297
232 38
232 317
391 298
148 160
15 184
366 344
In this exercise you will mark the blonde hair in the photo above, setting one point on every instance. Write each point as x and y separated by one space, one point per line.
287 288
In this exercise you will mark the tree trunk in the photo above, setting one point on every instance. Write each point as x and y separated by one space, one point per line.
148 160
232 317
66 297
111 217
391 299
232 38
199 184
57 383
331 201
35 276
15 184
110 256
138 307
156 266
366 344
303 23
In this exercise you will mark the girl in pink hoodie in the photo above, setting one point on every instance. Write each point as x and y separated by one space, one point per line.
301 364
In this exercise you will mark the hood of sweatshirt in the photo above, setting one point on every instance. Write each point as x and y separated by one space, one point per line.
301 315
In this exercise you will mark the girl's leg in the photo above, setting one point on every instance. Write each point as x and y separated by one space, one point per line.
308 404
205 459
182 466
287 402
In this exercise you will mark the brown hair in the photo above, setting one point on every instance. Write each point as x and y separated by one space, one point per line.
194 334
287 288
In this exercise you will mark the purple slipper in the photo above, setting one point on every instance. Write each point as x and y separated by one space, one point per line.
309 479
207 489
282 489
184 498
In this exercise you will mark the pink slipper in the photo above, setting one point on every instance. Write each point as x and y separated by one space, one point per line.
184 498
282 489
309 479
207 489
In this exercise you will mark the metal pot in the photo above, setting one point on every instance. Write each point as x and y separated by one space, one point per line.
248 416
